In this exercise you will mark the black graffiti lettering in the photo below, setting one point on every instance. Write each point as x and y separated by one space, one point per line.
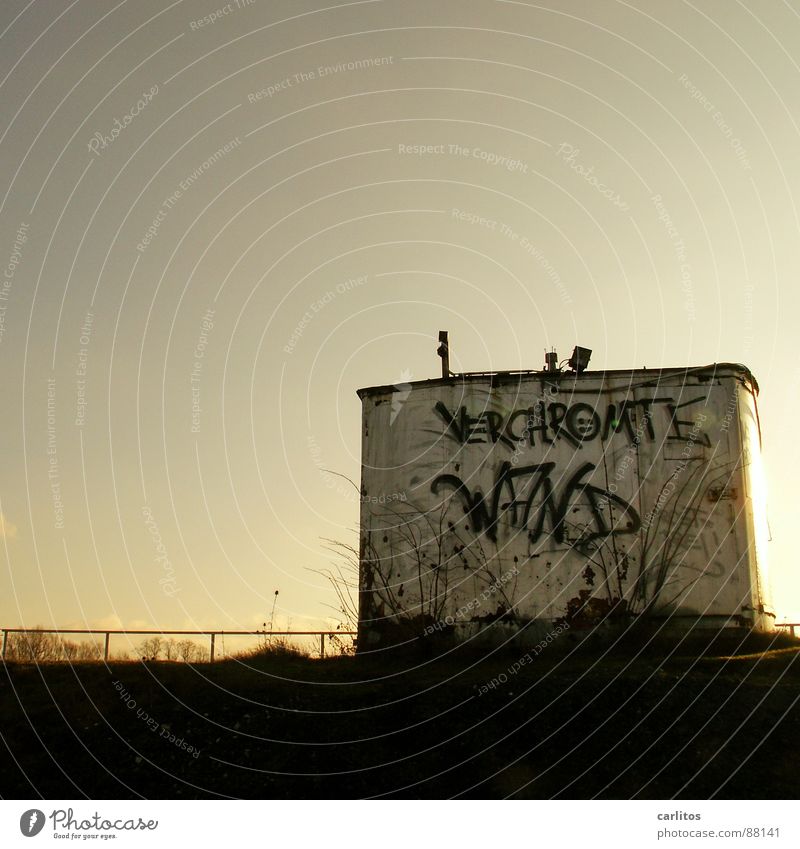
525 433
535 422
583 422
611 422
542 426
677 424
599 500
454 429
479 516
578 423
476 431
625 418
494 424
539 478
485 427
620 419
557 412
533 504
646 404
548 508
539 425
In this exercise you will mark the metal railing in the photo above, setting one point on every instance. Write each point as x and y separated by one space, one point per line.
211 634
790 625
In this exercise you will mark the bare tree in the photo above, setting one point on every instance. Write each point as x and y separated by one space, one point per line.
37 646
150 649
33 647
186 650
190 652
201 654
170 649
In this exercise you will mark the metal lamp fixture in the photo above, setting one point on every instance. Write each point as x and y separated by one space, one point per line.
580 358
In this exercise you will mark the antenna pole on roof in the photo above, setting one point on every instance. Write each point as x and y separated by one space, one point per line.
444 352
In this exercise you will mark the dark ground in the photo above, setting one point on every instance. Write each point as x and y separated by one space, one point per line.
719 720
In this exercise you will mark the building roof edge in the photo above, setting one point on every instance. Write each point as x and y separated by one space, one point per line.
644 376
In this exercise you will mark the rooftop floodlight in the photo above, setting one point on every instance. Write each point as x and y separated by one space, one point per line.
580 358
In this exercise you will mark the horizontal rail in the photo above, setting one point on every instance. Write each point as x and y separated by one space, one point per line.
107 632
206 633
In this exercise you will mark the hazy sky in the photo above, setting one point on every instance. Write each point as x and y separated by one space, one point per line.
219 221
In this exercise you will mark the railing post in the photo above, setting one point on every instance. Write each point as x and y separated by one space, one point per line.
105 652
213 637
5 640
322 645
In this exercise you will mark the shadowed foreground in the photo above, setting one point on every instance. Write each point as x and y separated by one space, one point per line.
717 720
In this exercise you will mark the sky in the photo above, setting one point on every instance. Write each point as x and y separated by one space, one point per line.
220 220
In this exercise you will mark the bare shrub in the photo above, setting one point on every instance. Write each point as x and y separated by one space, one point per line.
89 651
274 647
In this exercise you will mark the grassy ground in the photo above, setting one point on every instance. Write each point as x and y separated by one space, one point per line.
693 721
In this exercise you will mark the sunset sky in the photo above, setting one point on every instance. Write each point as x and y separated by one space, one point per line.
220 220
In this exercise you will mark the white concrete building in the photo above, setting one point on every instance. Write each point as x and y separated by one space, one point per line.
518 501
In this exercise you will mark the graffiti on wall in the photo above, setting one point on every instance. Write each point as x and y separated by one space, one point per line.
544 423
640 507
529 497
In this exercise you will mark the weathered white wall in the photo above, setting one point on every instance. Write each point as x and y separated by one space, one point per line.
577 497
